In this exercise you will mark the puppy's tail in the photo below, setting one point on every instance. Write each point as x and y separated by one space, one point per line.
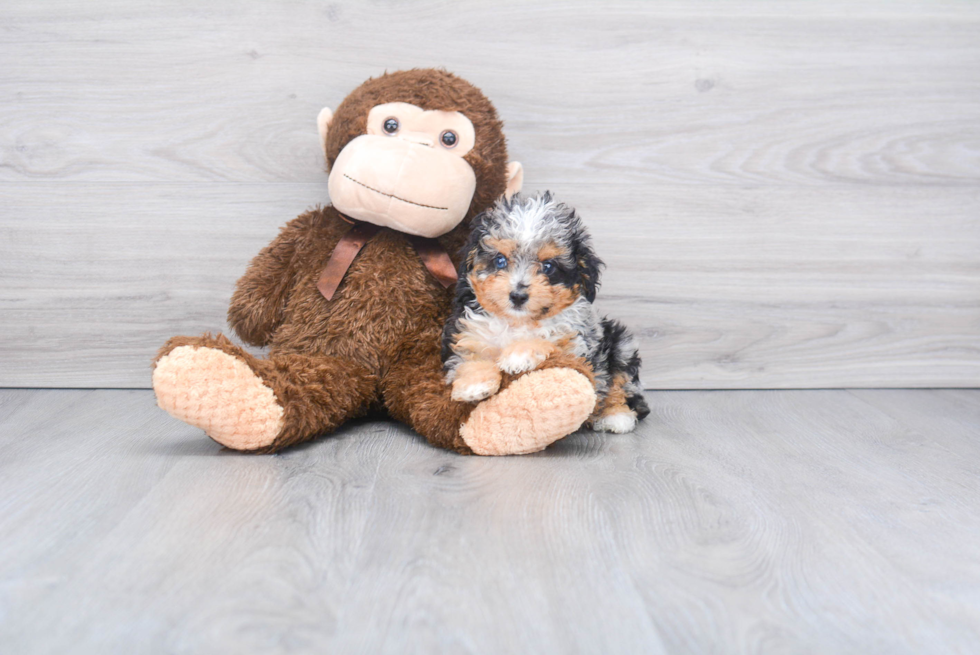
624 363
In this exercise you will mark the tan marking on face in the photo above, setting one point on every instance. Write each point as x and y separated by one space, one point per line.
505 247
550 251
546 300
492 292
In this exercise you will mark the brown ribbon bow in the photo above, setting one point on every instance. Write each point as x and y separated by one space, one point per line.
433 255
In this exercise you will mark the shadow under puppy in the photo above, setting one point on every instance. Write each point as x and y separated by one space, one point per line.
526 285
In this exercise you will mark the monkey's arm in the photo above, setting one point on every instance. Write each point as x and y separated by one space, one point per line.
257 305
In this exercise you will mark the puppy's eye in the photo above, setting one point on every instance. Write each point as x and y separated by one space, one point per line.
448 139
547 267
390 125
500 262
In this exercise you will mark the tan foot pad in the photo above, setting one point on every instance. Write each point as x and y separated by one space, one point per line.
220 394
530 414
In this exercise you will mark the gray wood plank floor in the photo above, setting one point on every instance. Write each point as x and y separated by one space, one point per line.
732 521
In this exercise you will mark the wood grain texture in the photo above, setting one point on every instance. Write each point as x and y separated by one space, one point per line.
773 300
787 195
732 521
728 92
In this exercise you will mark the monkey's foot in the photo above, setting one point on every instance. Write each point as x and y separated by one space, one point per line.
220 394
532 413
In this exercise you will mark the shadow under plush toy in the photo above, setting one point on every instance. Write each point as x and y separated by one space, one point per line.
351 298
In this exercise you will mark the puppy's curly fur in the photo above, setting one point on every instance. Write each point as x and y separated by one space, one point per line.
527 281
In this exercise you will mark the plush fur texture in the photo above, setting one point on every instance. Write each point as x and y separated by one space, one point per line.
376 344
525 291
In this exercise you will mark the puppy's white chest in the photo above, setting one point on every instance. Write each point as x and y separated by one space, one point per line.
495 334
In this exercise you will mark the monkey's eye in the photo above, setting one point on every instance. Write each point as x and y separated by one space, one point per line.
449 139
390 125
500 262
548 267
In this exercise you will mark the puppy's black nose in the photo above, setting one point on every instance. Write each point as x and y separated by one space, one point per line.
518 298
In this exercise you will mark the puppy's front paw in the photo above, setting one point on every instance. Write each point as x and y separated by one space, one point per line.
472 392
524 356
475 381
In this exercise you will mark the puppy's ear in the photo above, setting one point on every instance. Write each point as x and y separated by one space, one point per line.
467 258
465 298
469 251
587 266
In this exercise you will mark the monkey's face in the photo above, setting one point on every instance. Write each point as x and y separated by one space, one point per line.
408 172
419 151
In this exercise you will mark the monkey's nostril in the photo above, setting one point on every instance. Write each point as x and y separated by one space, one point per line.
518 298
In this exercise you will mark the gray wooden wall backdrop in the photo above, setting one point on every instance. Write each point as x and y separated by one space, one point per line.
787 193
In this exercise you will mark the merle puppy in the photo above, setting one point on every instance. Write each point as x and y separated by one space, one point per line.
525 291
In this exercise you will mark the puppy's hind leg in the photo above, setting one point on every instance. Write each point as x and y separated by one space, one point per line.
624 404
615 414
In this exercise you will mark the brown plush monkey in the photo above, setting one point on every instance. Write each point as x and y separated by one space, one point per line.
351 298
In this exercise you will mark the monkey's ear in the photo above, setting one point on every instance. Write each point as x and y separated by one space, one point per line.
515 178
322 125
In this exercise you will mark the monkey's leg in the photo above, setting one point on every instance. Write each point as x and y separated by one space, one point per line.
529 413
415 392
257 405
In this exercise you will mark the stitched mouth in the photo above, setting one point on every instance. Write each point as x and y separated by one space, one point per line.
394 197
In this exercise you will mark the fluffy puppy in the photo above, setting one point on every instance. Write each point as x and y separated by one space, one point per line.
526 285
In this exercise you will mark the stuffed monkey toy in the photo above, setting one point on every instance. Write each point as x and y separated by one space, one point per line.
351 298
